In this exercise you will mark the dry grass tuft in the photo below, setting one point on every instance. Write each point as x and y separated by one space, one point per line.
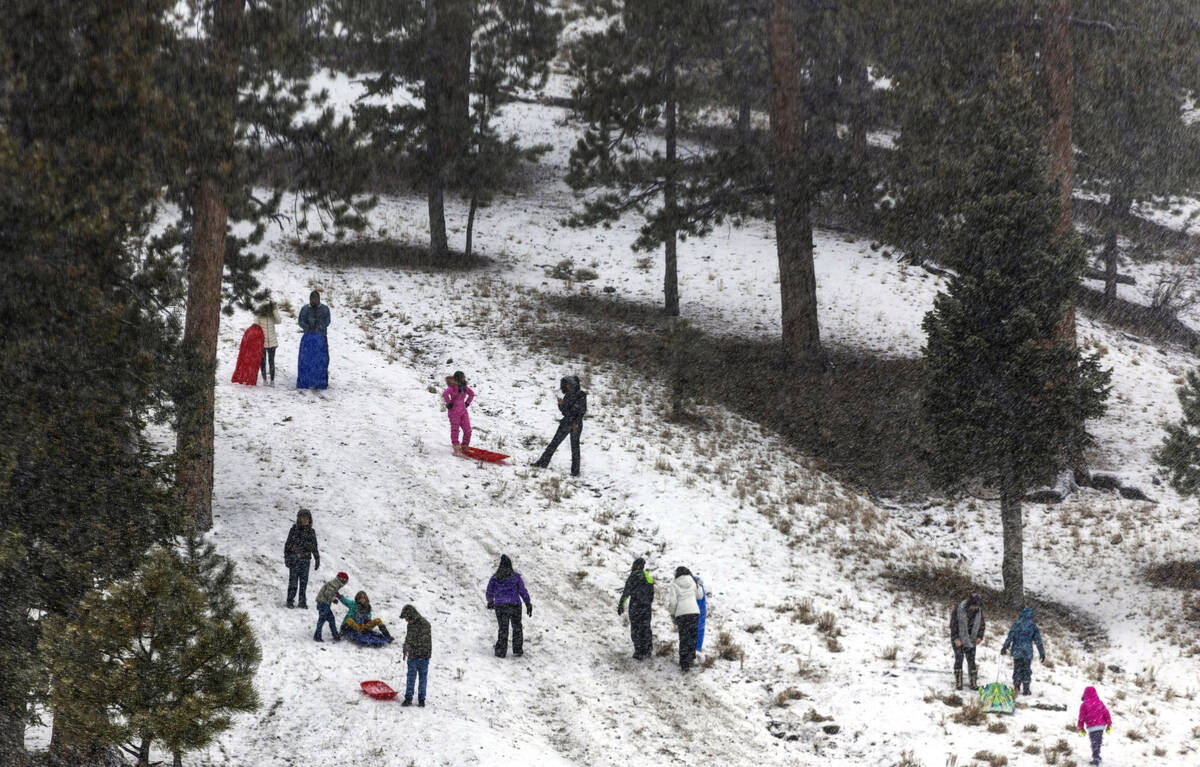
786 696
970 714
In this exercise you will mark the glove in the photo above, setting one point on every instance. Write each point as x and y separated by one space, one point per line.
620 609
1043 659
465 406
529 610
958 643
317 563
491 605
1081 732
1108 729
1004 652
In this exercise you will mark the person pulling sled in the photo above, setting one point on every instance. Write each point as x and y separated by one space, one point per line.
966 632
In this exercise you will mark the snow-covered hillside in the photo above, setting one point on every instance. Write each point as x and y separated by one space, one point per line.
828 659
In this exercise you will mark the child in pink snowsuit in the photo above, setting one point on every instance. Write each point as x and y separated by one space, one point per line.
457 397
1095 720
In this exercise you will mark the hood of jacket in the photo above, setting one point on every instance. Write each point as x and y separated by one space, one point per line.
1026 614
505 570
1089 693
408 612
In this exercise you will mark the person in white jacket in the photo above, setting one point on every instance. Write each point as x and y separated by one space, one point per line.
267 317
683 602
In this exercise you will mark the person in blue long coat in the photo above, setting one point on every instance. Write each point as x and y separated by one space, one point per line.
313 366
1022 636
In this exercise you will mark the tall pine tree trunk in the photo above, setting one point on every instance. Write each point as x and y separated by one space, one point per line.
471 223
194 437
670 201
434 146
1012 567
206 267
1060 85
793 189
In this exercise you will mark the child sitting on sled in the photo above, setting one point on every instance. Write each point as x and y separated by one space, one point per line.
358 617
458 397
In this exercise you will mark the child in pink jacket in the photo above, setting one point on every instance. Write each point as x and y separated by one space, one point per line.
458 396
1095 720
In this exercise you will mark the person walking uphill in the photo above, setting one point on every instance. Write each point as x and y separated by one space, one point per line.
683 603
312 367
966 632
1095 720
1022 636
418 648
325 597
300 545
639 590
458 397
573 406
505 592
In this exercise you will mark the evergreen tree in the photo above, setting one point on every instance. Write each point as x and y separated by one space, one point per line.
1135 82
1179 453
241 86
1002 398
444 68
81 326
650 72
162 657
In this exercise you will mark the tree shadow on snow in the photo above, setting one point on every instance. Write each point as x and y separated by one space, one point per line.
860 418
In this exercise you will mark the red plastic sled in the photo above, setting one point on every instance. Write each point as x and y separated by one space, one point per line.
249 356
378 690
483 455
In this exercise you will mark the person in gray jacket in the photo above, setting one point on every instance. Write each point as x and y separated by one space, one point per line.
966 632
325 597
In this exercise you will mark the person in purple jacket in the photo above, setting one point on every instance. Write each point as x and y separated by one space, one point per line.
505 592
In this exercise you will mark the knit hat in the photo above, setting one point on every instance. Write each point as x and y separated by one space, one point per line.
343 577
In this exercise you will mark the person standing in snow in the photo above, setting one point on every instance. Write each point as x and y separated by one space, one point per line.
639 590
267 317
573 406
312 363
1022 636
358 616
325 597
418 648
966 632
1095 720
683 602
458 397
505 592
300 545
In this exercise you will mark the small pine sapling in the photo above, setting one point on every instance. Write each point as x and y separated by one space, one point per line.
1179 453
161 657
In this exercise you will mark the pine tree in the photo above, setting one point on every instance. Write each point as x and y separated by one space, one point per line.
241 86
650 73
81 322
444 67
1002 398
1135 82
1179 453
163 657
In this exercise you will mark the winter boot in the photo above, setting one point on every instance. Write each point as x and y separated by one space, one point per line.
974 680
407 702
383 630
421 702
1026 690
958 678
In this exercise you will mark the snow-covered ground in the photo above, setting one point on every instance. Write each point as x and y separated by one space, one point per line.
778 543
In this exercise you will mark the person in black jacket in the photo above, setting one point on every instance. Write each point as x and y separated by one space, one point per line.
639 590
573 406
301 543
